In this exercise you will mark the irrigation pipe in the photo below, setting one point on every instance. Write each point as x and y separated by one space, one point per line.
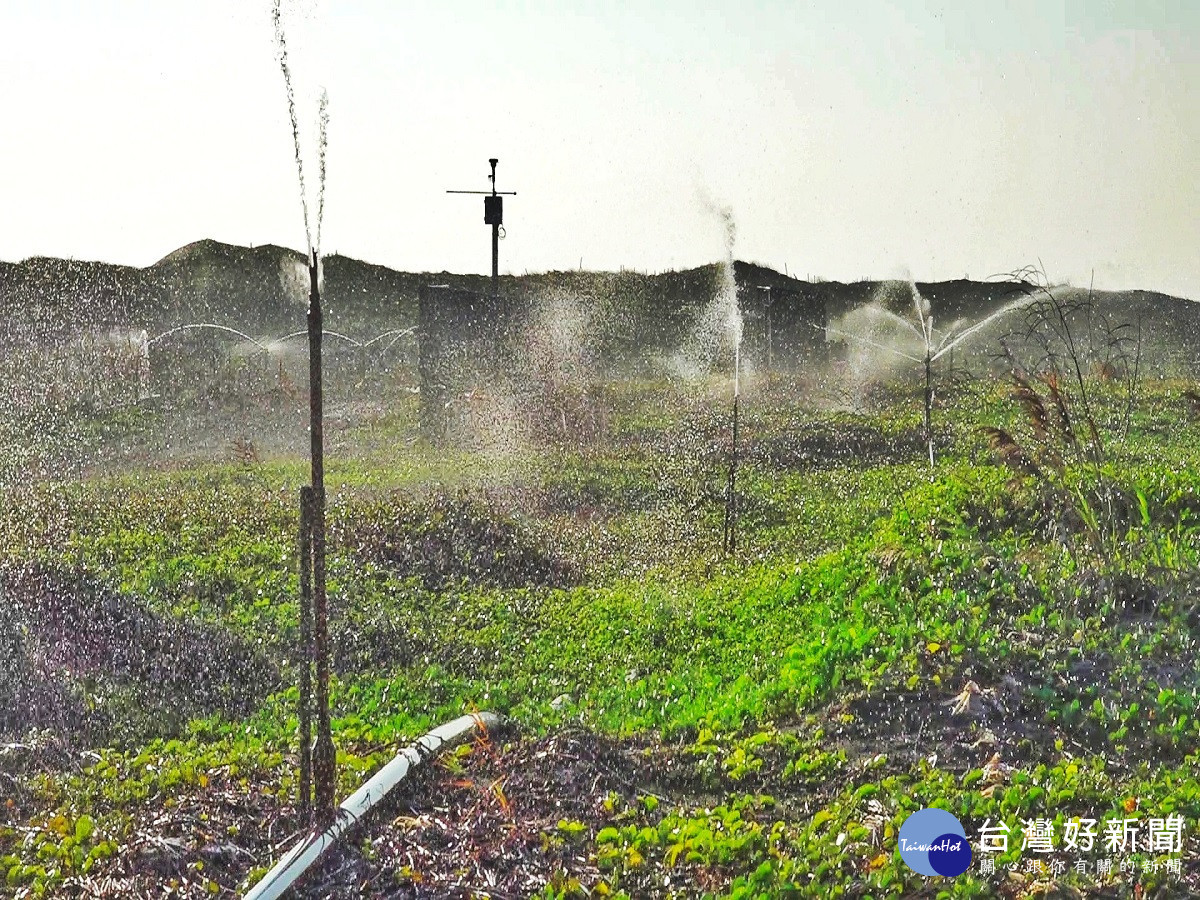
309 850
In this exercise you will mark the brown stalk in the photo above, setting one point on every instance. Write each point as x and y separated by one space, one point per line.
1009 451
1033 405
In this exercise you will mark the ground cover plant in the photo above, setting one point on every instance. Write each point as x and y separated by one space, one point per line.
1008 635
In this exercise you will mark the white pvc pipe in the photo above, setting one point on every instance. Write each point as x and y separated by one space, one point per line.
309 850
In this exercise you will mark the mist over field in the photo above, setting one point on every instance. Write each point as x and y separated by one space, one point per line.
341 557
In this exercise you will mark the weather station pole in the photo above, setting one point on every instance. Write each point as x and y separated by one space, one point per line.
493 214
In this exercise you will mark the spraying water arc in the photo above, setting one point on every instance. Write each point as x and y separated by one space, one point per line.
932 346
327 333
200 326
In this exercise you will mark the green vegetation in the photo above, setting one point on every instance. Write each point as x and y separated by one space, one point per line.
1009 636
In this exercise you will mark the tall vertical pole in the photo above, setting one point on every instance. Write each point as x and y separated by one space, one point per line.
495 239
324 756
929 403
495 260
306 654
731 510
770 334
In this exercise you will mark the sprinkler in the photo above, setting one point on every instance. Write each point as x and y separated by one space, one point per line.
727 318
324 756
932 348
731 505
312 511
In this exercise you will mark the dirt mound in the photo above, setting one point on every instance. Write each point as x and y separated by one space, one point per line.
80 660
446 540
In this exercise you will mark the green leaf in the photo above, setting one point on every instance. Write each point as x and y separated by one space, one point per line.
84 826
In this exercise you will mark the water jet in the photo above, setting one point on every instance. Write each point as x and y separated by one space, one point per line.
931 345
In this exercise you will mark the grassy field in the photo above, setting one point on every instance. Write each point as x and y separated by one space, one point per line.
1008 635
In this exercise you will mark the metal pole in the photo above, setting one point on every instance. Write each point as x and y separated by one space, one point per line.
495 239
495 260
324 755
306 654
929 404
770 335
730 537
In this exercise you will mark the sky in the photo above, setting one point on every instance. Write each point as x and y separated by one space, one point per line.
848 140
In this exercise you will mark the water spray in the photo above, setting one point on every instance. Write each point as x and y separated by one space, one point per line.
322 143
932 348
200 326
281 44
272 347
362 345
728 297
729 532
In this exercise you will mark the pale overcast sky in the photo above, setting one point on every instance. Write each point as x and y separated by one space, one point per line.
849 139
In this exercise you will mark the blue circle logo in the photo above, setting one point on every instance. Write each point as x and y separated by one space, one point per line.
933 842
